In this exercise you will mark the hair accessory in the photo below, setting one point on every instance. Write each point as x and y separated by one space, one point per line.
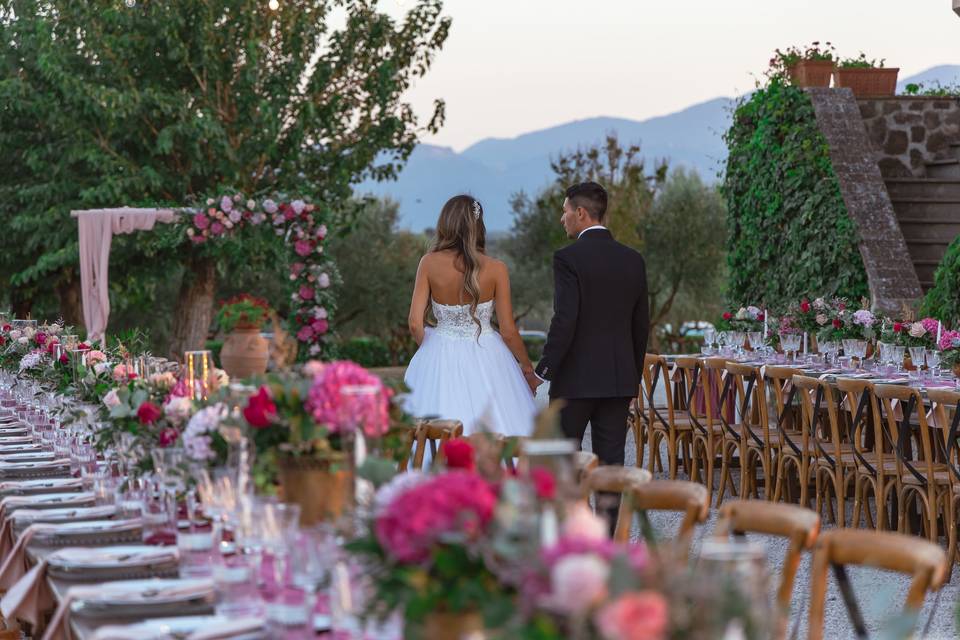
476 210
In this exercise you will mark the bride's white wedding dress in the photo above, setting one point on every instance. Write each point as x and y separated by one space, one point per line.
459 375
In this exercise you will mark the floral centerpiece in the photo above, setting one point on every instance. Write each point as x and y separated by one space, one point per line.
838 322
746 319
304 426
950 351
921 333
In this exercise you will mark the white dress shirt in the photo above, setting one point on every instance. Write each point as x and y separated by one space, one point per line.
596 226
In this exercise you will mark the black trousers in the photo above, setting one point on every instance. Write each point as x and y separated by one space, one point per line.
608 432
608 425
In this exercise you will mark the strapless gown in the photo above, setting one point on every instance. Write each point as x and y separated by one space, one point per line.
467 373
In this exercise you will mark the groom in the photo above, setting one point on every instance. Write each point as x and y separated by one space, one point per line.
598 336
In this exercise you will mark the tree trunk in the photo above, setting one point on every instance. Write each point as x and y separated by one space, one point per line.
20 304
194 311
71 309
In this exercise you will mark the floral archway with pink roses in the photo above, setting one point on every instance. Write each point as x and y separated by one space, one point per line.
303 226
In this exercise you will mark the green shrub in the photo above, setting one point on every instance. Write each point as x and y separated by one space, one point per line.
943 300
215 346
789 232
365 351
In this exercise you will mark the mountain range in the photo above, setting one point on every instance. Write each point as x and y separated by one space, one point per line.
494 169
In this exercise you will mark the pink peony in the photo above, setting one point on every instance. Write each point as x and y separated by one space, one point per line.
112 399
95 356
330 406
322 231
297 268
949 340
634 616
123 373
583 523
320 327
269 206
201 221
455 502
305 334
313 368
226 204
217 228
302 247
306 292
578 583
931 325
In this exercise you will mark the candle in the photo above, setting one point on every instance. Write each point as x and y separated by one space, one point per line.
804 341
764 324
939 331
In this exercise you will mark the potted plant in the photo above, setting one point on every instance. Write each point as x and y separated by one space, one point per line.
304 427
866 78
811 67
245 352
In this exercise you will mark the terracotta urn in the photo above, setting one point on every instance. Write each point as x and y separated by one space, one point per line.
245 352
441 625
322 487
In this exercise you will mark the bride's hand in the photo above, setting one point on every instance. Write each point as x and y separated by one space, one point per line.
533 381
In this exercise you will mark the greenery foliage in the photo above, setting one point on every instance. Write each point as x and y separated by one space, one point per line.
861 62
676 221
943 300
104 104
789 233
936 89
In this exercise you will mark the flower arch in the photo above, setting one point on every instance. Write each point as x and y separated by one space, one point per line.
304 227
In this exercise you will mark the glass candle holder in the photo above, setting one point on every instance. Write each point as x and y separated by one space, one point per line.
200 379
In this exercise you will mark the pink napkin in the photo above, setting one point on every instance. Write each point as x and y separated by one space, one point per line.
15 565
30 598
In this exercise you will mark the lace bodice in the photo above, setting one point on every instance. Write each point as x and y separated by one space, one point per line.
455 320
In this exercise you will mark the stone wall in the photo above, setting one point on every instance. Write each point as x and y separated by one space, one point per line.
909 131
890 274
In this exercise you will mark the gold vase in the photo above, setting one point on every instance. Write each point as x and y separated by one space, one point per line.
322 487
452 626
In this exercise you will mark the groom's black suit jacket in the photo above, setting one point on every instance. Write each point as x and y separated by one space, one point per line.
598 335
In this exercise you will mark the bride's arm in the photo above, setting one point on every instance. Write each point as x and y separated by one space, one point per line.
418 306
508 328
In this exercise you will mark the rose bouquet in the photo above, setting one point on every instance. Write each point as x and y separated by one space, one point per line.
921 333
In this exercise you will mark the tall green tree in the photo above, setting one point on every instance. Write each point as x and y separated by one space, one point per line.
105 104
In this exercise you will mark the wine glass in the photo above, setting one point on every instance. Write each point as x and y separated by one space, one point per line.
756 340
933 363
709 335
917 355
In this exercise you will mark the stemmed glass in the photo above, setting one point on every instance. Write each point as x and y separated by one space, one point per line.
709 335
756 340
933 363
791 344
738 338
917 355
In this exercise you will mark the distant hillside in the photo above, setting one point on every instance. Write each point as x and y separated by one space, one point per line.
495 168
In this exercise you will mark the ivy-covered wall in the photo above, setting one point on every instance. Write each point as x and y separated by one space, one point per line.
789 232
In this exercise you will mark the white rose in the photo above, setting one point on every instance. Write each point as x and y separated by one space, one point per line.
54 329
111 399
917 330
15 334
742 314
269 206
102 367
178 408
323 281
822 319
297 206
819 303
251 204
29 332
23 340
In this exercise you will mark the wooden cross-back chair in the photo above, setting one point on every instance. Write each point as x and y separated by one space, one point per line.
707 432
431 434
689 498
799 525
795 451
945 414
743 394
875 467
836 549
719 392
663 422
924 482
613 480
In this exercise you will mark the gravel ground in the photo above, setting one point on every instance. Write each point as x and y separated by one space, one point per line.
881 594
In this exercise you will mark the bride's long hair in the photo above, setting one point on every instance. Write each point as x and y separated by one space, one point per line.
460 229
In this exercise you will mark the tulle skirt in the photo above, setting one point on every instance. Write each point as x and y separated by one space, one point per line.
477 382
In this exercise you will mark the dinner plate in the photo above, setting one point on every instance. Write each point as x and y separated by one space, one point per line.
76 514
95 526
44 499
27 456
39 485
153 592
172 628
19 448
6 439
120 556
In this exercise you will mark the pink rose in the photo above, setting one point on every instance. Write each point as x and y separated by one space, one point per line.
581 522
112 399
302 247
578 582
168 437
322 231
226 203
95 356
305 333
634 616
313 368
306 293
123 373
320 327
217 228
201 221
323 281
297 268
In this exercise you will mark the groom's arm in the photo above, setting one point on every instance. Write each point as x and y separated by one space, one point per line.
566 307
641 322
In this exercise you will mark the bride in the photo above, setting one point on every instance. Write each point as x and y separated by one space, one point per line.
464 369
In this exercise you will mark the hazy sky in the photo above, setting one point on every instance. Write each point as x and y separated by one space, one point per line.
512 66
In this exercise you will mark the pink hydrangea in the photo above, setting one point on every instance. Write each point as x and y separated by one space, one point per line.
341 411
931 325
458 503
950 340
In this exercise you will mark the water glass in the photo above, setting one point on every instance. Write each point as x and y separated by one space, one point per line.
129 499
709 335
84 458
933 362
235 577
736 575
197 551
898 356
756 340
105 487
159 516
917 355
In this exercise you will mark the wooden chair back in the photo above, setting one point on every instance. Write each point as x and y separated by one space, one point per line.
689 498
866 432
692 383
819 399
786 410
945 414
751 407
584 462
897 428
614 479
433 433
656 376
799 525
924 561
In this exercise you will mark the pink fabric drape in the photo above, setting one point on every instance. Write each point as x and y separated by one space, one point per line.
97 227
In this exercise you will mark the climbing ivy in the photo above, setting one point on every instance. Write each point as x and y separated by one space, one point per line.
789 234
943 300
